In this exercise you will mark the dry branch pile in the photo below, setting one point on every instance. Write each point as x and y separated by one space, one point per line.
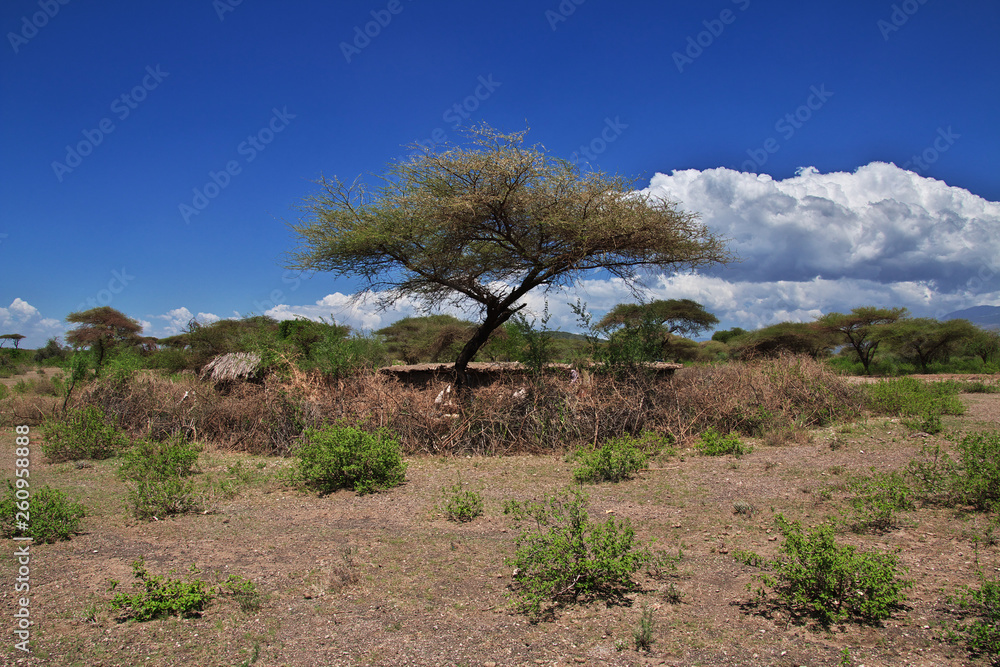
517 416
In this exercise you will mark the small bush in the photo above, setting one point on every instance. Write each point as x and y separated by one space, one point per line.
340 456
244 591
462 506
158 596
158 475
929 422
51 516
978 483
833 582
643 635
982 634
562 555
877 499
84 433
617 459
712 443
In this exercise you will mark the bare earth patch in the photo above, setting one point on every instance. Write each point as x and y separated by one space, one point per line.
385 579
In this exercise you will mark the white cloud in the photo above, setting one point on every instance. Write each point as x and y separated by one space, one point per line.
880 223
176 320
23 318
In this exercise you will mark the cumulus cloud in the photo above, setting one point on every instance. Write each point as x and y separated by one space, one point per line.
175 322
880 223
23 318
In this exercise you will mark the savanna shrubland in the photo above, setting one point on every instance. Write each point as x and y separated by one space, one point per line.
517 414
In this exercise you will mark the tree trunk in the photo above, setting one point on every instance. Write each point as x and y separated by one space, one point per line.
490 323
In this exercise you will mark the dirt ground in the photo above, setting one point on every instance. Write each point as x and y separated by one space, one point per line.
385 579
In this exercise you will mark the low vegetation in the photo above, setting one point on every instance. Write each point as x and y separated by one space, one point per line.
561 555
342 456
48 513
832 582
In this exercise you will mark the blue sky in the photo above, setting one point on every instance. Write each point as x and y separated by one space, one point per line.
154 151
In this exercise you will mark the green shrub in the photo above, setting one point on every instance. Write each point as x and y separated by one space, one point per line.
832 582
84 433
158 596
911 397
712 443
876 500
561 555
244 591
158 475
929 422
978 483
4 392
51 516
616 459
462 506
341 456
982 634
643 635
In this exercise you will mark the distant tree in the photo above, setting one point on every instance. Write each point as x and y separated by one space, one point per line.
305 334
726 335
102 329
924 340
860 328
985 344
202 342
682 317
429 338
792 337
14 337
52 350
490 223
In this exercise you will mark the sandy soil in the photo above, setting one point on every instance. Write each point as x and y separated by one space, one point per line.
385 579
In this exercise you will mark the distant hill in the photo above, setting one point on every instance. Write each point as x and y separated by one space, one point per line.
984 316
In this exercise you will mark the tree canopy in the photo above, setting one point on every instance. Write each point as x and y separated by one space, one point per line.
102 329
17 338
860 328
682 317
488 223
923 340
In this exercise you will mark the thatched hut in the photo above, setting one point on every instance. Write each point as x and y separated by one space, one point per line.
226 369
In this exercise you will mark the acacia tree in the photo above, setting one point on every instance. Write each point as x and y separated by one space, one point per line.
102 329
14 337
489 223
681 317
860 328
924 339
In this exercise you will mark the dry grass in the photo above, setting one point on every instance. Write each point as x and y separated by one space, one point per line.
518 416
